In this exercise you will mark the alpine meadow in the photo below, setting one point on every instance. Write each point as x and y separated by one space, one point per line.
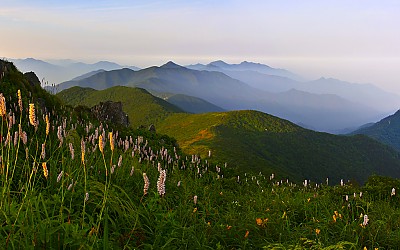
200 125
72 181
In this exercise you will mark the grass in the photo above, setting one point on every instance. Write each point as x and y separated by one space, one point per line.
98 203
246 211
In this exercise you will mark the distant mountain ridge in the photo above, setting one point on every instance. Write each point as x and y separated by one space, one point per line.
275 80
386 130
62 70
323 112
245 66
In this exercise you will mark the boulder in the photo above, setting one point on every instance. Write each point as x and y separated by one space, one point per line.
112 112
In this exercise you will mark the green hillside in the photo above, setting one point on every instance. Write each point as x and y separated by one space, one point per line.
193 104
142 108
256 141
28 84
386 131
71 182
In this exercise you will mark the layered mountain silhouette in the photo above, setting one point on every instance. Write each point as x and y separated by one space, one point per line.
324 112
277 80
245 66
62 70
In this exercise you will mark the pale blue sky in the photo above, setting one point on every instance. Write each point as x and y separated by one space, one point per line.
355 40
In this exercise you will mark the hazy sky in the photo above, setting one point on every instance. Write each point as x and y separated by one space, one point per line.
354 40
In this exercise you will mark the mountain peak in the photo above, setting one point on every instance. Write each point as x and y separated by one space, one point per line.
219 63
253 64
171 65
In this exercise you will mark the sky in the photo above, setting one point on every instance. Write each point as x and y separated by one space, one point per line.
352 40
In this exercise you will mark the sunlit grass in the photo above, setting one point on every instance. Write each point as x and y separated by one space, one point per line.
88 191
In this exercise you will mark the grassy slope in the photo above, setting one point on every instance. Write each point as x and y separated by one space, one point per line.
14 80
252 213
141 107
260 142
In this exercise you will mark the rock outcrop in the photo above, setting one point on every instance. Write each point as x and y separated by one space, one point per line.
110 111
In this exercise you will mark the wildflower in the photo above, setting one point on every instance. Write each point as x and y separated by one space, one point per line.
19 100
179 184
15 138
120 161
71 149
347 197
393 192
3 109
361 193
341 182
112 169
45 171
246 234
161 182
195 199
146 183
47 125
8 138
111 141
132 170
59 135
86 197
308 200
43 154
83 149
24 137
261 222
32 116
101 145
60 175
365 222
228 227
317 231
195 210
334 218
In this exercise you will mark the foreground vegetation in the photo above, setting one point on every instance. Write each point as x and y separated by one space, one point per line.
68 181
